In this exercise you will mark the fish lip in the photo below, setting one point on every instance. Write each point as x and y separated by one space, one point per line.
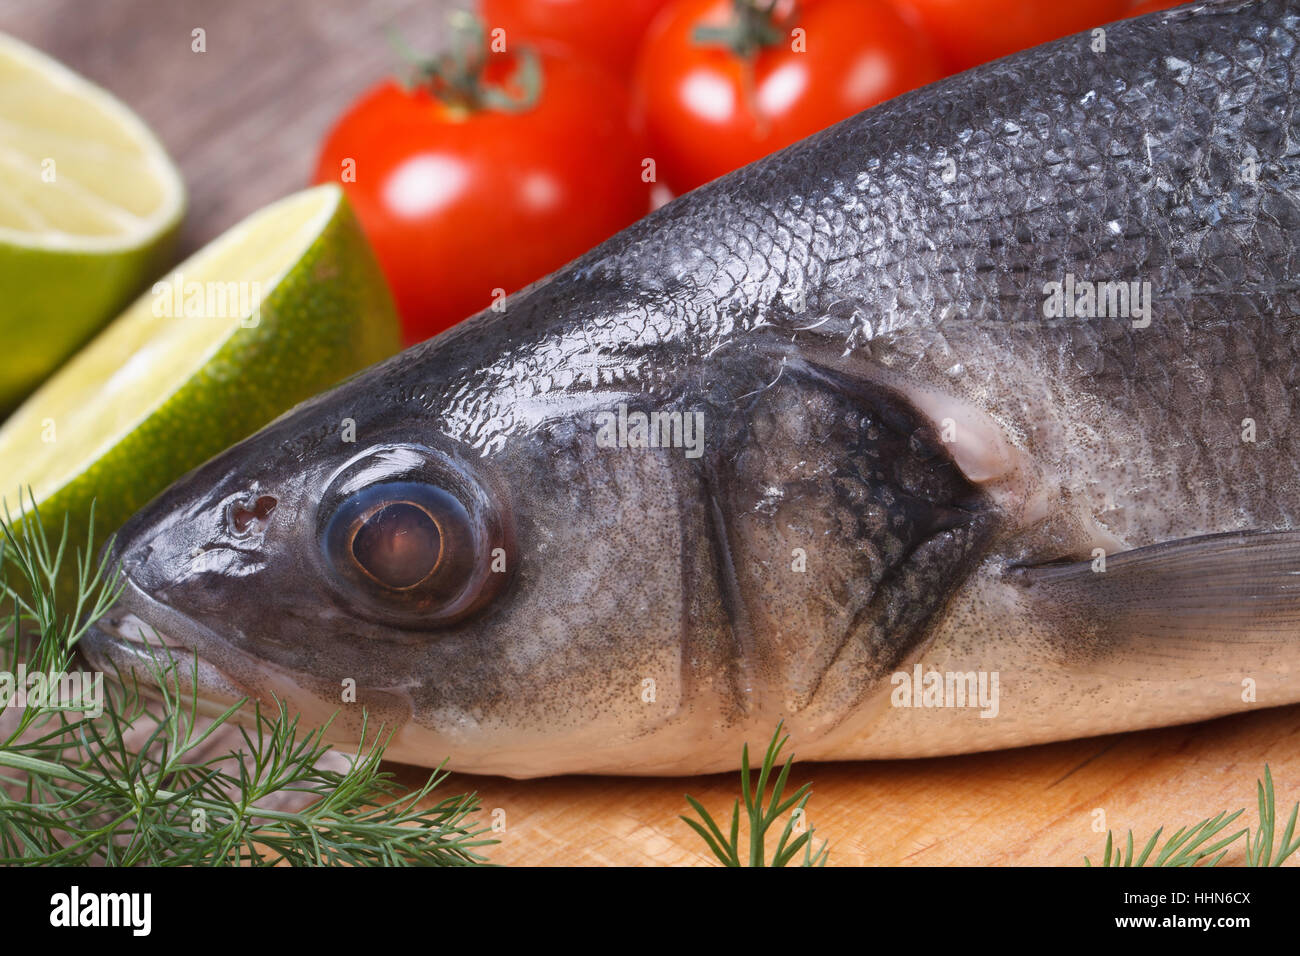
117 643
173 668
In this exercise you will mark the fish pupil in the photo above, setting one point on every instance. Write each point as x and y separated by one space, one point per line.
398 545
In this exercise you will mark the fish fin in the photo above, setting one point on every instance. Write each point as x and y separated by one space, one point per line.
1221 598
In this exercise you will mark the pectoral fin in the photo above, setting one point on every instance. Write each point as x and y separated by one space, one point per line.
1198 605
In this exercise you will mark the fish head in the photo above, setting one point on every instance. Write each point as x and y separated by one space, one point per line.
515 605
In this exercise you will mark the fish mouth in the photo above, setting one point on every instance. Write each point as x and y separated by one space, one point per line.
147 643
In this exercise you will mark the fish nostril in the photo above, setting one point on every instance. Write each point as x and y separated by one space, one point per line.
245 518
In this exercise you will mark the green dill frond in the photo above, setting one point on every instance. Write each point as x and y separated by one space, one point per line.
136 784
763 812
1260 851
1188 847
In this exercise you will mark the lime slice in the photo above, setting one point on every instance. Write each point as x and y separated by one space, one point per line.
89 204
282 306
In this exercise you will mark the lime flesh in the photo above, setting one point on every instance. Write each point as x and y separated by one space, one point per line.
89 206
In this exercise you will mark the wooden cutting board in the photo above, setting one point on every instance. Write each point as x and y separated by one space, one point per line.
1033 806
244 120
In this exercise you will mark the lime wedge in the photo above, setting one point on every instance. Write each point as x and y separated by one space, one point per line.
282 306
89 204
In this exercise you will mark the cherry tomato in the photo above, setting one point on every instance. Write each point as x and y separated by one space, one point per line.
459 201
709 108
969 32
606 31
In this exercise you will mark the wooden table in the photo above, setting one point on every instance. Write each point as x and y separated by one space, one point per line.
243 121
1036 805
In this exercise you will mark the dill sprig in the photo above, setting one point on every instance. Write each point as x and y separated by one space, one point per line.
763 812
1187 847
1260 852
80 789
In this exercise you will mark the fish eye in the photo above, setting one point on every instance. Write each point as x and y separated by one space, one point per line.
406 550
398 544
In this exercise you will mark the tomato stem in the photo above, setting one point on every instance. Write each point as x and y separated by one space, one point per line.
457 76
754 26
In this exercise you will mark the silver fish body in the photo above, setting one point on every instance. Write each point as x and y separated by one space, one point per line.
964 424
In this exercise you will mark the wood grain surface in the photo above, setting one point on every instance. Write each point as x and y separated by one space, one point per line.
243 121
1033 806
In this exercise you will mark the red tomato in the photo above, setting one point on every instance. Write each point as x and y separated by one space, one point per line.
1153 6
459 202
606 31
708 111
969 32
